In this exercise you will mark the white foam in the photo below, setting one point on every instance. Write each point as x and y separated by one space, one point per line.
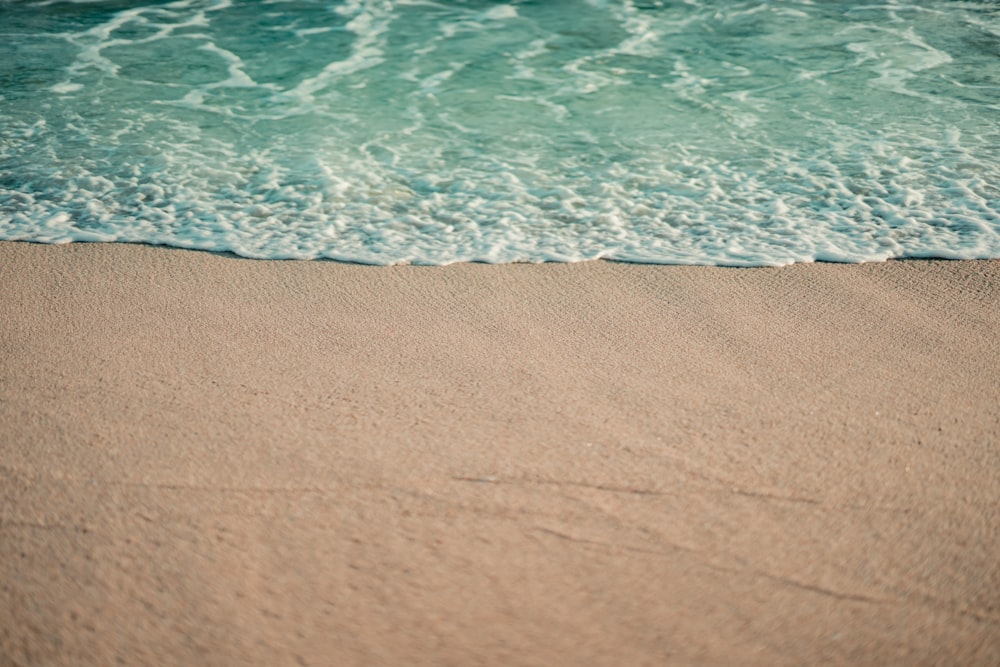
500 13
66 87
368 20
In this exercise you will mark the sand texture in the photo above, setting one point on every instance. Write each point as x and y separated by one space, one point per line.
207 460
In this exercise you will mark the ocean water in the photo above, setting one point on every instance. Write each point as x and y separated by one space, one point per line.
436 131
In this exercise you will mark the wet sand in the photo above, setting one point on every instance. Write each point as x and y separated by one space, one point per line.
217 461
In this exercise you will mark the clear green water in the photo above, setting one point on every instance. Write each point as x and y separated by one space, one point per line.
738 133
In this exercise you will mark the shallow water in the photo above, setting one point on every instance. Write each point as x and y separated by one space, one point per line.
386 131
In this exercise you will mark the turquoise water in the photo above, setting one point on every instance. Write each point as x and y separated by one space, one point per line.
388 131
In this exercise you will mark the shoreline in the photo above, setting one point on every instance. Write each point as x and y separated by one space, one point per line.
216 460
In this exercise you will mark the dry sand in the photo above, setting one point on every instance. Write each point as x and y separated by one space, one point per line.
207 460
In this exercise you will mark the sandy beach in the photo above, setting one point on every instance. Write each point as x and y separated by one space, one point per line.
209 460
